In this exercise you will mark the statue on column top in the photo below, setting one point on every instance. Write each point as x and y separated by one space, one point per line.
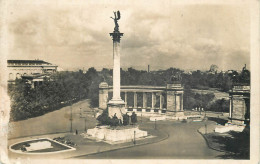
117 17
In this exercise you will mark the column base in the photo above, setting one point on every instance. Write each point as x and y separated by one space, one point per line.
116 107
116 101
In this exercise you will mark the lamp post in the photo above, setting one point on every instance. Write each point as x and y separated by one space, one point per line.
134 137
85 123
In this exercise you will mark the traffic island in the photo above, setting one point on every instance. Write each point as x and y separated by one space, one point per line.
40 146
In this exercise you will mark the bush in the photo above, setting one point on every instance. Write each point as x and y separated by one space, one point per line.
219 106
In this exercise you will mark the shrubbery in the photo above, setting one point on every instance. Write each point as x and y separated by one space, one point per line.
62 88
221 105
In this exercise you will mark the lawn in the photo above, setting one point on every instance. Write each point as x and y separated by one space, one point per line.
236 145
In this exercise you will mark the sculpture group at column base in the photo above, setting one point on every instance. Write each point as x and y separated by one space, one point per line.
116 107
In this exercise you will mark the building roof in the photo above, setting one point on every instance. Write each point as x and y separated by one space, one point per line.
28 61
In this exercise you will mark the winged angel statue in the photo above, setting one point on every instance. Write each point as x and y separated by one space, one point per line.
117 17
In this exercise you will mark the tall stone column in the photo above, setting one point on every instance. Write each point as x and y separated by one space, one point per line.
116 105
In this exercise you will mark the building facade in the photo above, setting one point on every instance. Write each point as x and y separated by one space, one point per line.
21 68
239 110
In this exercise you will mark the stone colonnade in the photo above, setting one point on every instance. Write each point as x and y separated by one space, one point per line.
144 99
172 95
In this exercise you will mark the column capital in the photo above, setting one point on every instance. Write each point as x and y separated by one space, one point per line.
116 35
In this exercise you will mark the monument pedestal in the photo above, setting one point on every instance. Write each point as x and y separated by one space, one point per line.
116 107
114 135
179 114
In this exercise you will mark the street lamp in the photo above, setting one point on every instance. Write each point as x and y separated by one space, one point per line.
155 124
134 137
85 123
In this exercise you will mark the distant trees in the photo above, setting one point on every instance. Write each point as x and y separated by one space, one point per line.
66 87
62 88
192 100
221 105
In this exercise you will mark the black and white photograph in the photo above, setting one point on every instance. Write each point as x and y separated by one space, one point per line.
140 80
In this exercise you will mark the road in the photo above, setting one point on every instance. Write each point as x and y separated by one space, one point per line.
54 122
184 142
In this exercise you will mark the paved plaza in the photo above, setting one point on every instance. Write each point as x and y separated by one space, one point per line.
174 139
184 142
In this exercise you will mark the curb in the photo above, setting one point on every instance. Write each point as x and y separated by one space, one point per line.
124 147
38 135
205 138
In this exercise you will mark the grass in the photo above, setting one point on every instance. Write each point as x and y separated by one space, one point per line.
55 146
236 145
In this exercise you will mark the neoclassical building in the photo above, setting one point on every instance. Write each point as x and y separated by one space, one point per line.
162 98
20 68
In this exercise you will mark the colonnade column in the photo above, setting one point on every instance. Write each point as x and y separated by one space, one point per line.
161 101
144 100
126 99
153 97
175 106
135 100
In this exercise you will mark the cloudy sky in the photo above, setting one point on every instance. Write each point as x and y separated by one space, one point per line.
162 34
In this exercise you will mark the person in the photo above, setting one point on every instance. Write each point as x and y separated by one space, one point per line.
133 118
115 120
115 117
126 119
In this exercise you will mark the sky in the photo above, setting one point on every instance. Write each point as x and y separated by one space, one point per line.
75 34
